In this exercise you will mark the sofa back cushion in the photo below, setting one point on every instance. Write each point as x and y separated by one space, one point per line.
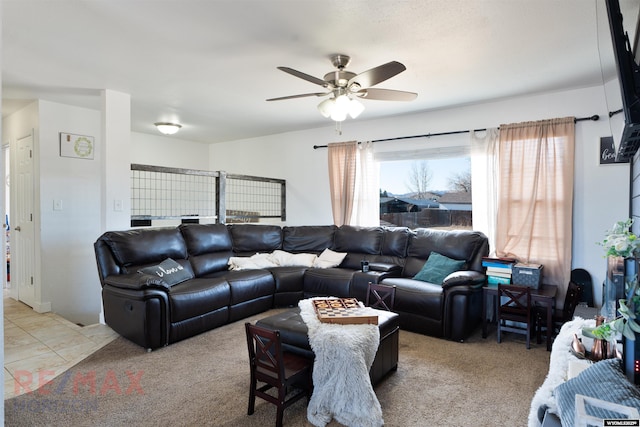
357 242
209 247
249 239
363 240
206 238
311 238
145 246
466 245
395 241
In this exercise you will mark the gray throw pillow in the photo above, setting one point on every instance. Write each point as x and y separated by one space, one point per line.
604 380
170 271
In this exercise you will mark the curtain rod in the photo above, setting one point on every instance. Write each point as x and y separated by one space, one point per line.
594 118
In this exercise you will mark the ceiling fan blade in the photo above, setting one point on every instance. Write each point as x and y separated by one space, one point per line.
378 74
386 95
299 96
304 76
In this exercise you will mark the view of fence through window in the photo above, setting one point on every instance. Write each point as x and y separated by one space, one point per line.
433 193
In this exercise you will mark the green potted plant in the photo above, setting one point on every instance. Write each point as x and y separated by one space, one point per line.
625 323
619 242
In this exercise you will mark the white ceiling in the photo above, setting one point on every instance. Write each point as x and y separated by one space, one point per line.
210 64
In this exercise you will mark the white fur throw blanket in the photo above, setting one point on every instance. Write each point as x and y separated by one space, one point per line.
558 368
342 388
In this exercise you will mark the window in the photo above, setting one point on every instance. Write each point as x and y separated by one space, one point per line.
434 192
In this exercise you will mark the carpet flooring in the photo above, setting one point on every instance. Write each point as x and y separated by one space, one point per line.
204 380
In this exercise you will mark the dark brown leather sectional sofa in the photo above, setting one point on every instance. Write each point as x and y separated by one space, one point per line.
144 309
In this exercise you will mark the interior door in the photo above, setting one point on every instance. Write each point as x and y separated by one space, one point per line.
22 236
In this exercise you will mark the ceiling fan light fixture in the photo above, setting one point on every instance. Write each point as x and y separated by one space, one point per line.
326 107
167 128
355 108
338 115
341 108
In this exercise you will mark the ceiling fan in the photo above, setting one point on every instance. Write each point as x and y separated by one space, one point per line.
346 87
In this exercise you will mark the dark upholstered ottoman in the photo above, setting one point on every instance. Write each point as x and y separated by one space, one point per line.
293 332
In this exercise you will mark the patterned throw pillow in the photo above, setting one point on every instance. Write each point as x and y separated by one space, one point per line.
603 380
170 271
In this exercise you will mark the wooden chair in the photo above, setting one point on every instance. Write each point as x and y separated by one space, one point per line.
384 296
277 369
514 305
571 301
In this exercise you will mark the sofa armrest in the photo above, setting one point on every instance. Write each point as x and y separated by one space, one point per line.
464 278
136 281
360 282
386 267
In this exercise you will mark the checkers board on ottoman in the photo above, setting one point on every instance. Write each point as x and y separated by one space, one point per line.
345 311
293 332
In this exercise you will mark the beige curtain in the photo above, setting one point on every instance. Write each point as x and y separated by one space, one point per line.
353 178
342 179
535 199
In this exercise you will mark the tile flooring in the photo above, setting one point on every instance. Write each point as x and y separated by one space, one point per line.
40 346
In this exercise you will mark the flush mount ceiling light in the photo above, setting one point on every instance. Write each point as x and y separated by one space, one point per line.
168 128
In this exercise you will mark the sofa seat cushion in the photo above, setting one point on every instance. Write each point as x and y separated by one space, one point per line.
248 285
330 282
288 279
415 296
196 297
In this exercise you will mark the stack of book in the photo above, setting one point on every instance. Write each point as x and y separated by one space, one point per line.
498 269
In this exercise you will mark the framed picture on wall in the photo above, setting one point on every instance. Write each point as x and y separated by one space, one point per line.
608 151
76 146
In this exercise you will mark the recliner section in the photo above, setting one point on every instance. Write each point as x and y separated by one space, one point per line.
152 314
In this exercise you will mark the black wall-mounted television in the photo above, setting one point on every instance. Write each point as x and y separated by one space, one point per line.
629 78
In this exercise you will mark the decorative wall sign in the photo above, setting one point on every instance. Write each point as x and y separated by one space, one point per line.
608 151
76 146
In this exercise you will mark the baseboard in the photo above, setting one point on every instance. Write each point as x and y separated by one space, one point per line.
42 307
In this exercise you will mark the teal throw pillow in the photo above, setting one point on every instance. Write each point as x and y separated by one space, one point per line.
170 271
437 268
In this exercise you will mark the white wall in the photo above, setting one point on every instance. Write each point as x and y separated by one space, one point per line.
159 150
66 277
69 273
288 156
601 192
